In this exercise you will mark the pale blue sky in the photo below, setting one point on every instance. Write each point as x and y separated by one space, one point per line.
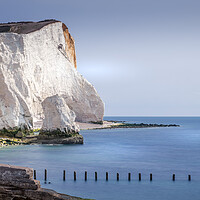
143 56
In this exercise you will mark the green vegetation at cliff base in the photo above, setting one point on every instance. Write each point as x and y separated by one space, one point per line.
19 136
57 133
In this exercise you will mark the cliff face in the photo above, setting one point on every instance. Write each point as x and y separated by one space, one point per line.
37 62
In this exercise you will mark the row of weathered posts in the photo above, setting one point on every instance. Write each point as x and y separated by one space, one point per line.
129 176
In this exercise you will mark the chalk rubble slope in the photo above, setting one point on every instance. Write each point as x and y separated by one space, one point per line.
37 65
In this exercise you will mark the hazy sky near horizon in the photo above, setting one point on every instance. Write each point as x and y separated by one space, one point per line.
142 56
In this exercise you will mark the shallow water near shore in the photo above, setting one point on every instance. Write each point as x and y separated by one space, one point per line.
160 151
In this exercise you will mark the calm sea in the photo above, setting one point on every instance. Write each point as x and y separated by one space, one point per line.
160 151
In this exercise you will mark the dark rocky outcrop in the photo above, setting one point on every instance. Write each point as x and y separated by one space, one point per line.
17 183
45 139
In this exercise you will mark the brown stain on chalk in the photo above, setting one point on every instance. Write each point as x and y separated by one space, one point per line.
69 45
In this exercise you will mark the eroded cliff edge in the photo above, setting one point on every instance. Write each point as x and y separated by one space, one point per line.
38 68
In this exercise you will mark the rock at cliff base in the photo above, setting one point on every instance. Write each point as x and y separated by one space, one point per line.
58 115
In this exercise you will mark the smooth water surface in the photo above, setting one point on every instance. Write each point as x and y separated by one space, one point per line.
160 151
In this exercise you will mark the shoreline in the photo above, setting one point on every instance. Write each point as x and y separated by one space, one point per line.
92 126
120 124
31 140
74 138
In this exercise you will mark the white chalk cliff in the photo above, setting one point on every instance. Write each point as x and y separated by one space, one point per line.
39 80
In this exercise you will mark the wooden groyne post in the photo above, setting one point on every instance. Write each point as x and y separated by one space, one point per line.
45 174
106 176
95 176
64 175
140 177
151 177
74 176
34 174
173 177
117 176
129 176
85 175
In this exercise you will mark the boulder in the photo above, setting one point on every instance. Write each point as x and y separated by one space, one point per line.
20 177
19 135
57 115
